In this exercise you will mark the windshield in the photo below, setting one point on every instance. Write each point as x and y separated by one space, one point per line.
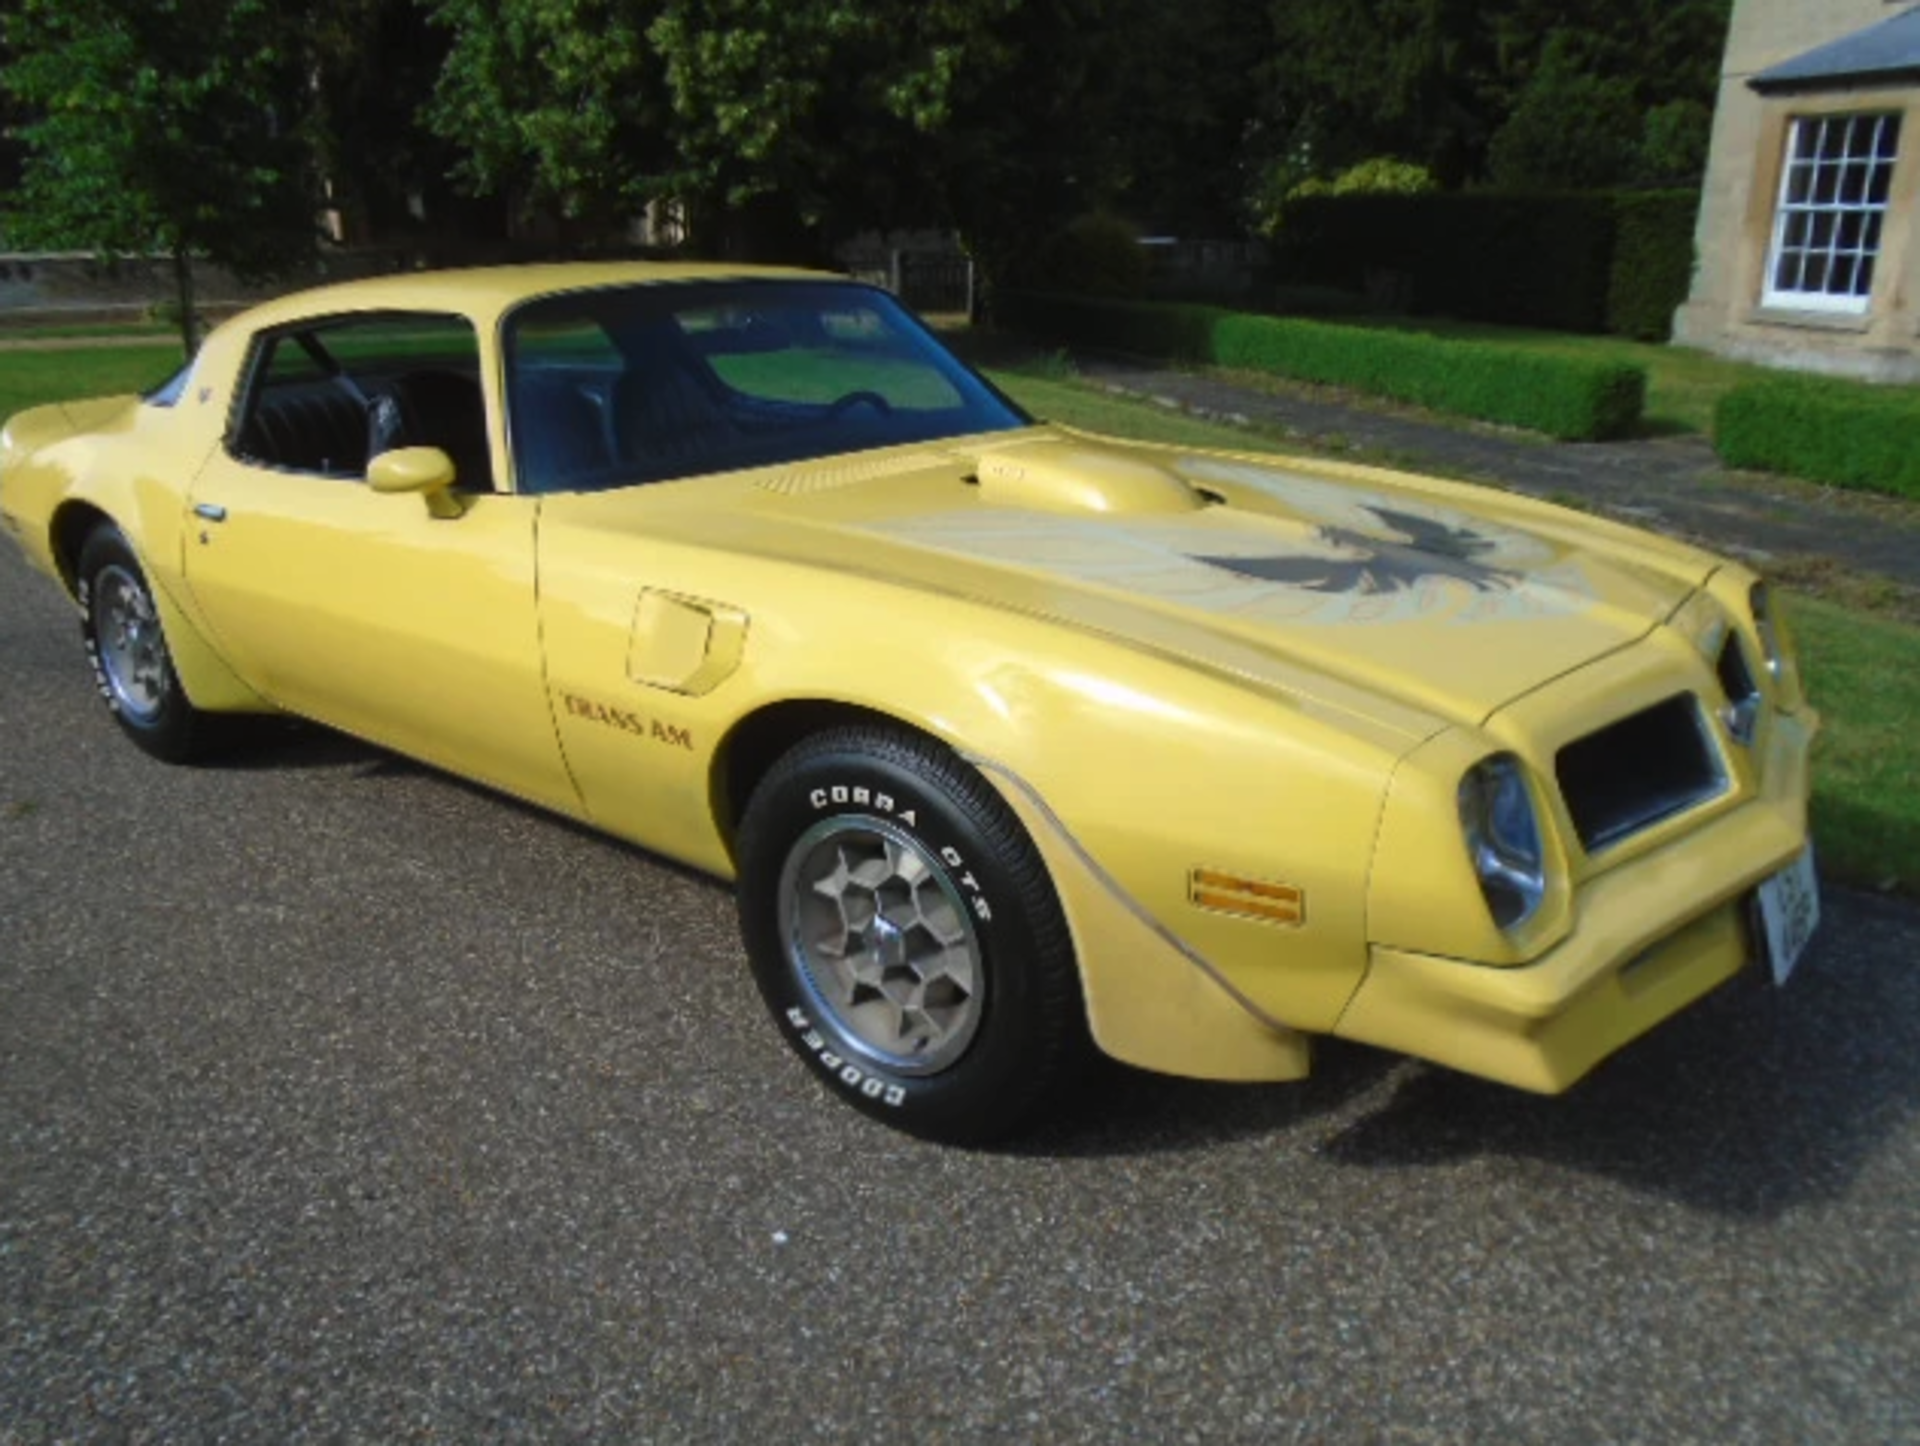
638 384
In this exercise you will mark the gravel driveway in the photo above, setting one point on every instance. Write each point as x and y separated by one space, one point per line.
340 1101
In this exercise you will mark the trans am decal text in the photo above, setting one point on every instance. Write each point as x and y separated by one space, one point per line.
640 727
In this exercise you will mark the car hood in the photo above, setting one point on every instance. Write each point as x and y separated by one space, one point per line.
1446 599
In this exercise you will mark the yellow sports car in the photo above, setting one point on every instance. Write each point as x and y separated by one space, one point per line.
1012 738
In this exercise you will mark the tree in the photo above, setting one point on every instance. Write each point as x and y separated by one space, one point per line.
557 105
163 126
828 111
1435 80
1572 130
374 64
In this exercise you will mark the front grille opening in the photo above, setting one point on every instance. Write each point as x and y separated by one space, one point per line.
1631 774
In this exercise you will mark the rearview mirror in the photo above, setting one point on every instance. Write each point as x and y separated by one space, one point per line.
426 470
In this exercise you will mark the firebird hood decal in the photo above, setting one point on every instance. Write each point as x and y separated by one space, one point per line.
1373 565
1327 554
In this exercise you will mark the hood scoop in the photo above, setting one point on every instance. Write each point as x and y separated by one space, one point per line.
1082 477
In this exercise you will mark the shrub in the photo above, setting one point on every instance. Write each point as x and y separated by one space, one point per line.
1092 255
1529 260
1378 176
1565 397
1674 142
1848 434
1180 331
1592 261
1652 269
1570 128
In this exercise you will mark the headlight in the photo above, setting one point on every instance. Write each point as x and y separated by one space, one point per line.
1761 601
1503 838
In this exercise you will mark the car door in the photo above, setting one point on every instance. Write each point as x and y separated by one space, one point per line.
368 611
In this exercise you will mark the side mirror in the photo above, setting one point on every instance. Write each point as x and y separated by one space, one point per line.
425 470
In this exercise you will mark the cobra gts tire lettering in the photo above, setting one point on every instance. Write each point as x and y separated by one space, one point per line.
854 795
850 1075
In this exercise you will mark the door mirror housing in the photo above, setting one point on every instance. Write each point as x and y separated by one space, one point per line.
425 470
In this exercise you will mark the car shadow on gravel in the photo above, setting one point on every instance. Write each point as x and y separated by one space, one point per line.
1119 1111
1755 1102
270 744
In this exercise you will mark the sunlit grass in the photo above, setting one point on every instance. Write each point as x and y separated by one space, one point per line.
32 378
1864 674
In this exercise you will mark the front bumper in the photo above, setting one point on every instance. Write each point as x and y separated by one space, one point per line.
1648 938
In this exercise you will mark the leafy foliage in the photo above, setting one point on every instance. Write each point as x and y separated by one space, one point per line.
1535 260
1847 434
780 124
1565 397
171 126
1435 80
1592 261
1674 143
1653 260
1572 130
1092 255
597 107
556 103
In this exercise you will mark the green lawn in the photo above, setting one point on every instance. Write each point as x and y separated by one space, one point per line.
1864 674
1864 671
29 378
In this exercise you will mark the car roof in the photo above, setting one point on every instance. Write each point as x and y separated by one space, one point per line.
484 292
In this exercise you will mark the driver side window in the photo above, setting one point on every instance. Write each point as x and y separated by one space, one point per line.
327 398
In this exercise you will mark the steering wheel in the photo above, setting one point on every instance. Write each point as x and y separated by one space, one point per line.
859 399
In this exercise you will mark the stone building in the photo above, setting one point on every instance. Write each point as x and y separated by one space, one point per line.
1809 233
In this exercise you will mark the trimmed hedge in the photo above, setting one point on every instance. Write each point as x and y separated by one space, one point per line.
1578 261
1652 269
1570 398
1848 434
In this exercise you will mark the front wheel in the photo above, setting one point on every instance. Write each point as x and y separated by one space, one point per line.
905 936
132 668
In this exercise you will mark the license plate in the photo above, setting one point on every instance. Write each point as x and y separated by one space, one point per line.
1789 912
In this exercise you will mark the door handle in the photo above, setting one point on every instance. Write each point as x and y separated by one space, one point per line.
211 511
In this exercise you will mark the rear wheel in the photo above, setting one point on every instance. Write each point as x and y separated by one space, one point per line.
132 668
906 938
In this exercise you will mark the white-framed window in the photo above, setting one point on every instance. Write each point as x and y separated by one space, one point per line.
1832 210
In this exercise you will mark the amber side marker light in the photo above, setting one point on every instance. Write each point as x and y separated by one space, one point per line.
1249 898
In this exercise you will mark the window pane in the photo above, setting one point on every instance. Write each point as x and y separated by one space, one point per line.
1832 201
